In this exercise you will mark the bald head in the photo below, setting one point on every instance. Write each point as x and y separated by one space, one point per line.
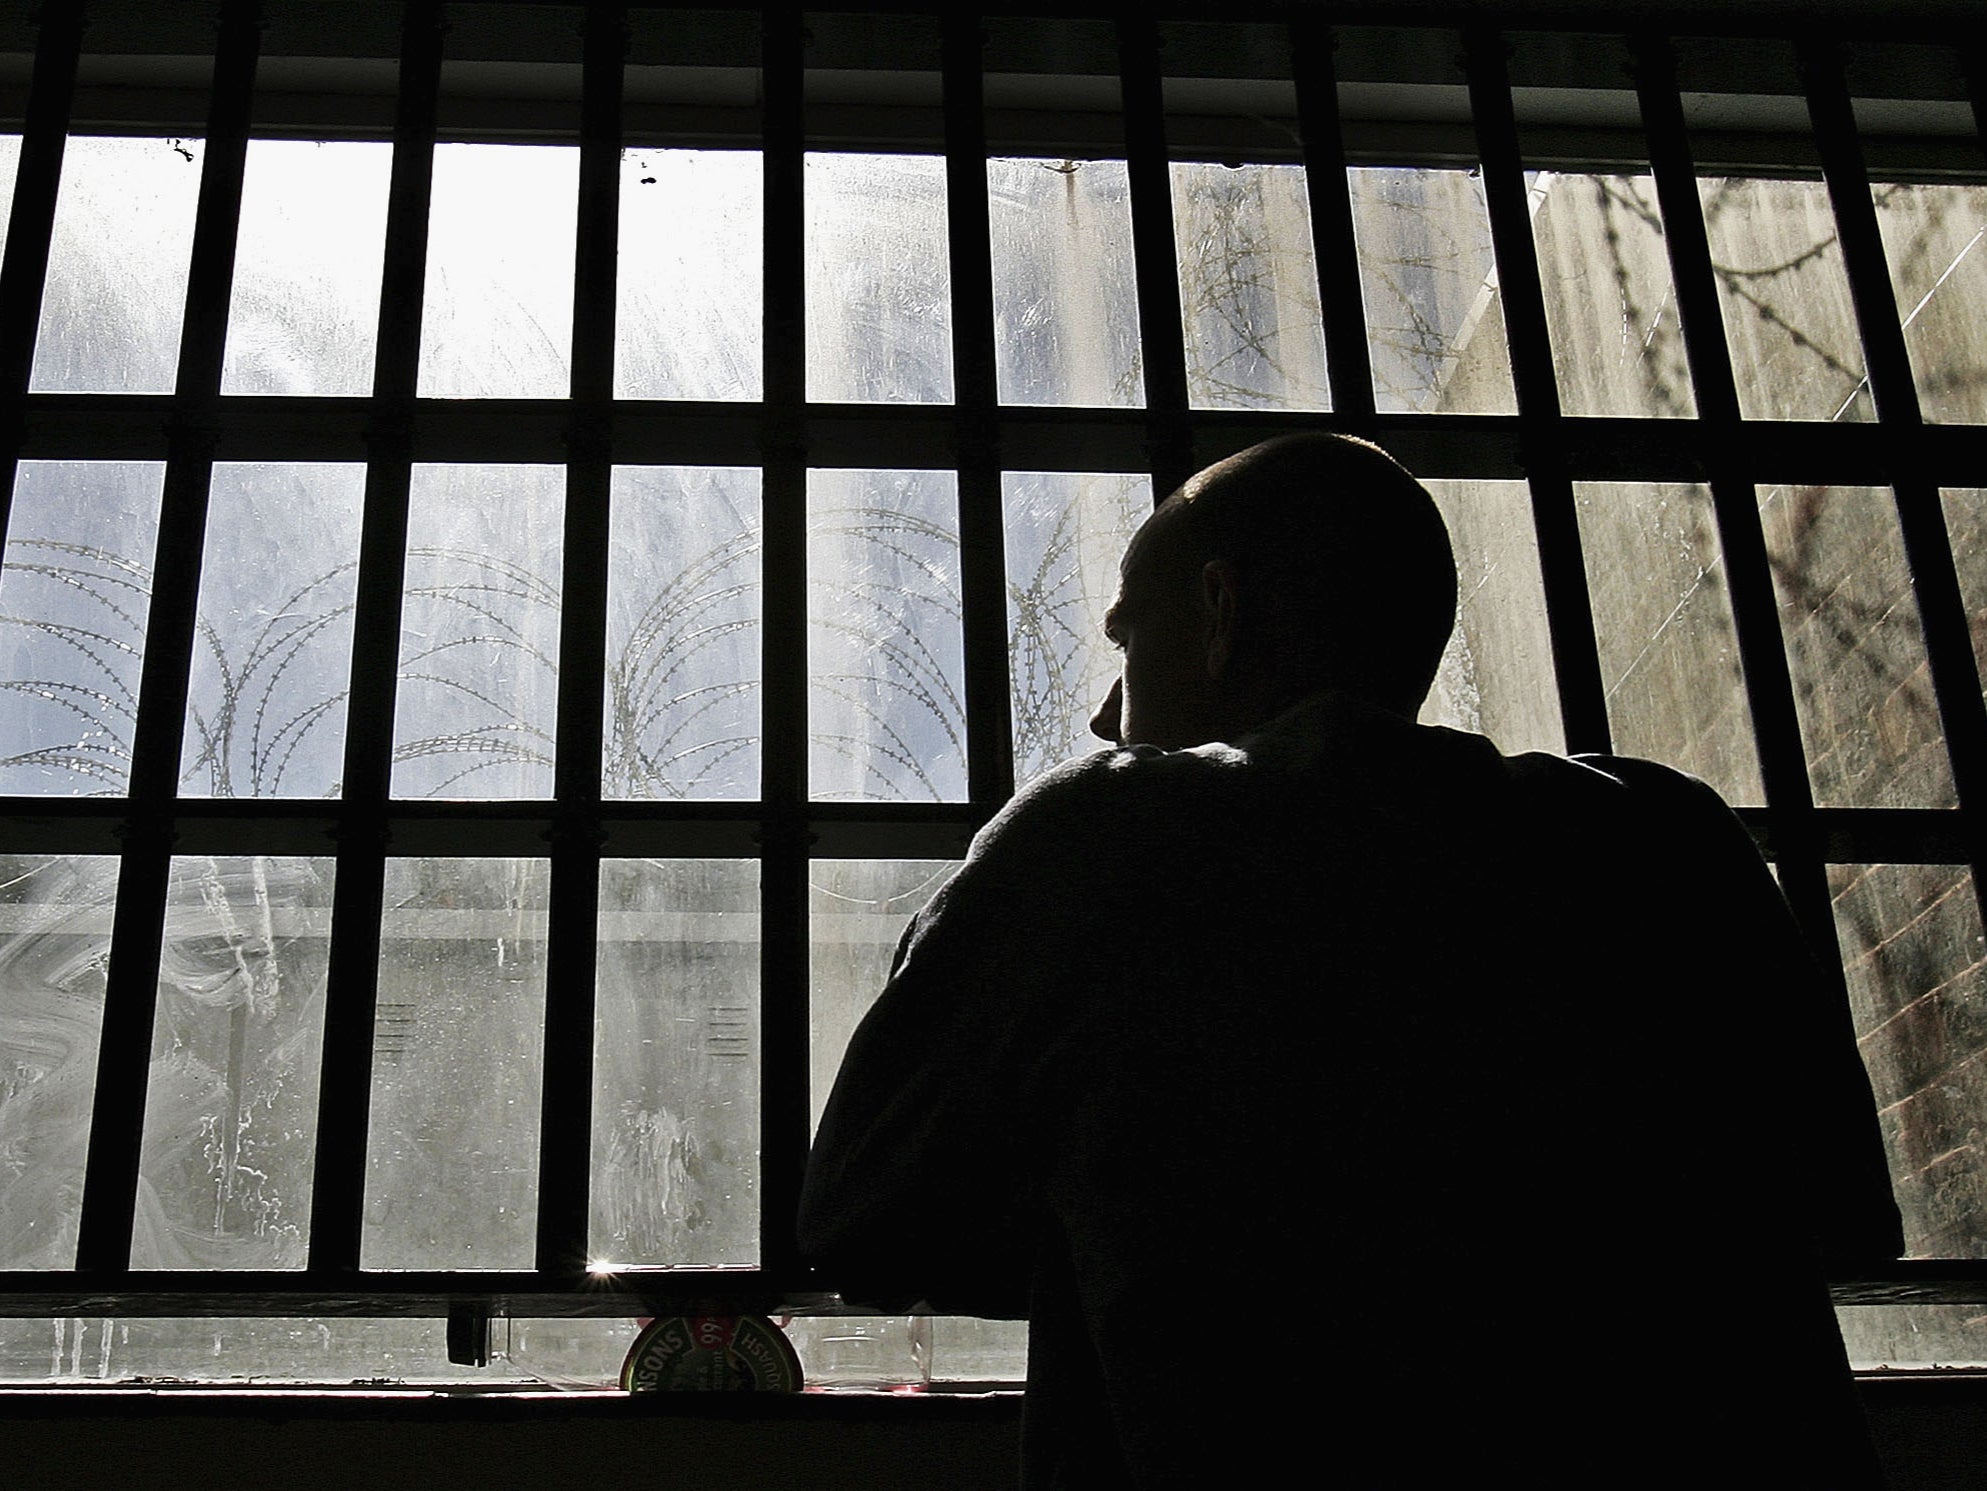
1311 561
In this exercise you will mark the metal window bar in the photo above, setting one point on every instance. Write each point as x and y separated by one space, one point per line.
1162 337
1569 611
1348 359
110 1184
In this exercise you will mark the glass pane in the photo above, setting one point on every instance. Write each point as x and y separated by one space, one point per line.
1788 316
479 633
458 1048
1248 287
1663 620
884 653
1868 716
1881 1336
690 298
1609 305
1910 938
55 916
676 1065
1966 527
10 165
1066 532
857 909
1065 296
117 266
683 641
265 710
1434 321
1935 238
231 1096
879 289
75 587
330 1349
497 313
1496 677
305 308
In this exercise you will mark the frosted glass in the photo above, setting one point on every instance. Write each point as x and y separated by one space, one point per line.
55 918
265 712
479 633
458 1049
1066 532
1428 277
1935 240
75 588
683 638
1496 677
1663 621
304 314
676 1065
879 293
884 654
497 313
231 1094
117 266
10 165
1248 287
690 292
1966 528
1617 346
1065 296
1785 297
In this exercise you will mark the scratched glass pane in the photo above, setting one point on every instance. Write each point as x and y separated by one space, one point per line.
885 658
497 313
683 605
1966 528
1496 677
75 587
265 709
1910 938
1066 532
1065 293
1617 347
676 1065
458 1047
305 307
1248 287
479 633
117 267
55 916
1935 239
333 1350
879 289
10 164
231 1095
690 299
857 909
1428 276
1663 621
1862 687
1785 296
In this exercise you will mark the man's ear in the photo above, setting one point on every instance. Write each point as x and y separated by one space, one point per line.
1220 597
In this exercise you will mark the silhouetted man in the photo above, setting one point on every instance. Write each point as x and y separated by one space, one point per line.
1342 1099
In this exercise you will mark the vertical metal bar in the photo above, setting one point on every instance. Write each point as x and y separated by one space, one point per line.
1569 612
1735 499
345 1095
131 996
566 1115
37 178
982 542
1348 359
1162 337
1921 519
784 836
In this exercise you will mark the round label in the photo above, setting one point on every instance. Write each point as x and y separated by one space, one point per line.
711 1353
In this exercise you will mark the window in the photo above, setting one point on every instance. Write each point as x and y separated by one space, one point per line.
531 545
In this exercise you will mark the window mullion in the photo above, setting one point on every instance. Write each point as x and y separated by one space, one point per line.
1162 336
784 836
1348 359
131 992
982 542
345 1099
1569 609
566 1114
